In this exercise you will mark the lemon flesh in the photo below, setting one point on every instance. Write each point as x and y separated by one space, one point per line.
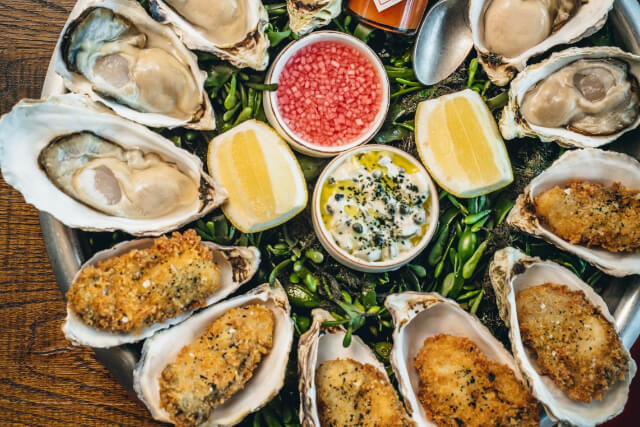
262 176
459 143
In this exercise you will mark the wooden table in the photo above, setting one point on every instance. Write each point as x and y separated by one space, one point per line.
43 380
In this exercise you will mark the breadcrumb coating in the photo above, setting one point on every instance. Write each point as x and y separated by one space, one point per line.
352 394
209 371
460 386
142 287
591 214
571 340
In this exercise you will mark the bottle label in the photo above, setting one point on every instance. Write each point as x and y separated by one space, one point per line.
385 4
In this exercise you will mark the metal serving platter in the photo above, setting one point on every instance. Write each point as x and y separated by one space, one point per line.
67 255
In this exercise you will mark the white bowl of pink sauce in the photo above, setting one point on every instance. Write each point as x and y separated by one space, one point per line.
333 93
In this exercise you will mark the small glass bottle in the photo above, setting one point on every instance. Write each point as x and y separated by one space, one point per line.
397 16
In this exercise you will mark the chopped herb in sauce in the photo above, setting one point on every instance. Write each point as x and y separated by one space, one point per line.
374 205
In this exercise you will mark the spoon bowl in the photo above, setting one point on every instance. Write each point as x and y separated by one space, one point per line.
443 42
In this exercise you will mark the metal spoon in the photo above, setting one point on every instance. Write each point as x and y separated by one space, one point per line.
443 43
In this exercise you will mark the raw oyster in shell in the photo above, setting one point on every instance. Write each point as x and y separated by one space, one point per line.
507 33
590 165
418 316
96 171
266 381
511 272
234 30
116 181
321 348
236 265
581 97
112 51
307 15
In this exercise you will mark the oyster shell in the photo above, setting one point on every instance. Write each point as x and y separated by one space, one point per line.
594 90
512 271
417 316
307 15
112 51
231 29
93 170
237 266
522 29
591 165
321 344
267 380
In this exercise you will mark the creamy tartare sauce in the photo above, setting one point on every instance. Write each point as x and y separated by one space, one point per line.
374 205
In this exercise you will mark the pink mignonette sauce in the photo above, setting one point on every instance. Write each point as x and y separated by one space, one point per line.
329 94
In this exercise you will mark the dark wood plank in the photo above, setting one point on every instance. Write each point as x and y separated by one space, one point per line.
44 381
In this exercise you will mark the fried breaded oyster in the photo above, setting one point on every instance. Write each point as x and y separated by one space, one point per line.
594 215
223 363
460 386
353 394
209 371
143 287
571 340
344 386
558 328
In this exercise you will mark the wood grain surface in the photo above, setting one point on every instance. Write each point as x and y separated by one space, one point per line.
43 380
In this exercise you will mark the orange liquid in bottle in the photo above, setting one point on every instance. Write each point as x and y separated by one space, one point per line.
403 17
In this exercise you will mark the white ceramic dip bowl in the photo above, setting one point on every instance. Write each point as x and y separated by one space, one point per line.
344 256
275 116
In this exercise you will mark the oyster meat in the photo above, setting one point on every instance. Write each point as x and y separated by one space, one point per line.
582 97
598 219
343 386
127 293
428 326
506 33
563 339
118 182
93 170
307 15
167 377
234 30
114 52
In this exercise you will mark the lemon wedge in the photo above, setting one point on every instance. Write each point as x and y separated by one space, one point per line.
262 176
459 143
